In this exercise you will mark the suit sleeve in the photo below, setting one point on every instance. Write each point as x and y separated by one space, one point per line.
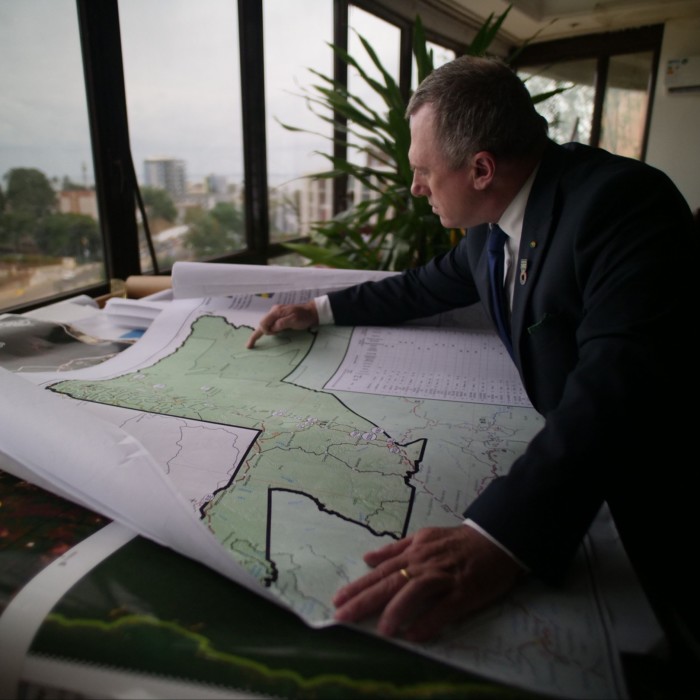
443 284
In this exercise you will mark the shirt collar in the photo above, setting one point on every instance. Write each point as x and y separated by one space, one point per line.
512 219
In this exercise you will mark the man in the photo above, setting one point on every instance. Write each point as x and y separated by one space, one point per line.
598 317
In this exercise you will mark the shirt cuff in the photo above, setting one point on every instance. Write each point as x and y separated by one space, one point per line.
470 523
323 308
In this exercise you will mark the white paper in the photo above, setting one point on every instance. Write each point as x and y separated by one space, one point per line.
315 542
469 367
192 279
48 441
133 313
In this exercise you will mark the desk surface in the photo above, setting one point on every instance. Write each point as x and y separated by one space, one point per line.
140 612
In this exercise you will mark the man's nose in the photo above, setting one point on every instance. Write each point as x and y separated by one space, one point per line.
417 189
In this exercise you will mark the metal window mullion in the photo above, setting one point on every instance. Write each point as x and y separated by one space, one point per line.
115 184
250 28
601 83
340 75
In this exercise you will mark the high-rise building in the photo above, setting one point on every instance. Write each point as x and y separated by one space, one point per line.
166 174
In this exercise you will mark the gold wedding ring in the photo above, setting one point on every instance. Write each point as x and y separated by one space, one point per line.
405 574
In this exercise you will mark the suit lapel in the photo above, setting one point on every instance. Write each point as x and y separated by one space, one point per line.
537 230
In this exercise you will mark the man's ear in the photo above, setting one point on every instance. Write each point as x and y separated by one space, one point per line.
483 169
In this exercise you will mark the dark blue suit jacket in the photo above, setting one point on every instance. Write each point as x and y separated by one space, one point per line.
600 328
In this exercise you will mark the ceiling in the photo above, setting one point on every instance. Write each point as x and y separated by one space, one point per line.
555 19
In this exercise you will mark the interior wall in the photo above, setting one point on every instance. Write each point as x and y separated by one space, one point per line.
674 135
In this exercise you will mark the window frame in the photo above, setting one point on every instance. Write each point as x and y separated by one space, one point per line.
601 47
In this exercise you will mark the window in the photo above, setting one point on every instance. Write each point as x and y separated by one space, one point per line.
182 82
385 40
50 240
295 43
609 85
626 103
166 140
176 109
441 55
569 113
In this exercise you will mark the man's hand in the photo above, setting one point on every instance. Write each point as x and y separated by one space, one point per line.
280 317
423 582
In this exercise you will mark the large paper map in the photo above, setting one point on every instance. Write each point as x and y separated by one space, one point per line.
298 458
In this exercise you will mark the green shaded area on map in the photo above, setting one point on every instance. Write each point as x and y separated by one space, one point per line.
309 443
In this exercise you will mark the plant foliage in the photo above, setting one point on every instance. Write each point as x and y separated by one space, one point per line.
389 229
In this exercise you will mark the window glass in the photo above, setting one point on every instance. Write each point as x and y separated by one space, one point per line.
441 55
625 104
385 40
182 80
50 241
569 113
296 42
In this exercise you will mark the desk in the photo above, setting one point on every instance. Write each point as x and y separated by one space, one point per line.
144 598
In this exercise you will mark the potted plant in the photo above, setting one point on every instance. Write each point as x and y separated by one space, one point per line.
389 229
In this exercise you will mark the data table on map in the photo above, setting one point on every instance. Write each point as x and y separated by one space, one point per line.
449 364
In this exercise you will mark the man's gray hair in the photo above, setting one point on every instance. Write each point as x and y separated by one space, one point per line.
480 104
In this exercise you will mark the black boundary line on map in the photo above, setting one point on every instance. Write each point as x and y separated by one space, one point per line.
408 474
406 478
324 509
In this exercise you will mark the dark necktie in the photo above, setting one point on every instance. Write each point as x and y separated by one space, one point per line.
496 242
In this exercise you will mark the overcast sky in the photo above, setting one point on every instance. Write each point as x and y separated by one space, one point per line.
182 81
